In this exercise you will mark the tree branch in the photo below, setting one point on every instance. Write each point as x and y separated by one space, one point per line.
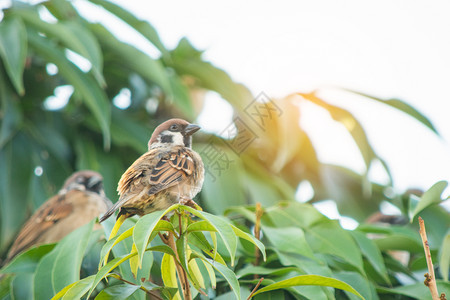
430 279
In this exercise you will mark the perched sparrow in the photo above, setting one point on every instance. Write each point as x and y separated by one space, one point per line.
79 201
170 172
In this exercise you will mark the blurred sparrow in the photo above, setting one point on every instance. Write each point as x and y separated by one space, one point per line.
169 172
79 201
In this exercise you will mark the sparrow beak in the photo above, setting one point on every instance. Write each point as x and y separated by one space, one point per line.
191 129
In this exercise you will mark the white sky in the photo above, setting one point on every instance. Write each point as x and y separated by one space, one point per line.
385 48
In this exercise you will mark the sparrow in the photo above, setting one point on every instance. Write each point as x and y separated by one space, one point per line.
169 172
80 200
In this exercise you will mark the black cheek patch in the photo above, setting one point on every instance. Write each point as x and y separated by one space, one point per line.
166 139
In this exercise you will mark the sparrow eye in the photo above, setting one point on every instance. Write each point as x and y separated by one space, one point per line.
173 127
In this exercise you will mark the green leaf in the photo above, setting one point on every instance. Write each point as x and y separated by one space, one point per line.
145 227
430 197
309 280
361 284
106 249
61 266
262 271
229 276
199 240
417 290
328 237
117 292
27 262
251 239
444 258
76 290
370 250
288 239
21 286
200 226
223 228
168 273
13 50
143 27
93 96
404 107
105 270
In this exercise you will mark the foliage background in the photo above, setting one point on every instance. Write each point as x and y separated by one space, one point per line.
265 162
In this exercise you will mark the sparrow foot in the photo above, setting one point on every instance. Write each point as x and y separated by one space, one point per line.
191 203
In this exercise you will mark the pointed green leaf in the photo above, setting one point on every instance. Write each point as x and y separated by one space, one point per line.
251 239
223 228
117 292
370 250
13 50
289 239
75 290
309 280
430 197
229 276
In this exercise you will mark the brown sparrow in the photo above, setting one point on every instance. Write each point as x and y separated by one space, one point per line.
79 201
169 172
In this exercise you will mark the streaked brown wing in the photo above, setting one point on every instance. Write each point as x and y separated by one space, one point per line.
55 209
173 167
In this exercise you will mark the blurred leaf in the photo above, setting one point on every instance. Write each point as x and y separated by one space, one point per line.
288 239
150 69
350 123
27 262
186 61
444 258
430 197
417 290
361 284
13 50
61 266
93 96
222 187
309 280
72 35
404 107
128 132
11 118
371 252
61 9
329 237
181 96
143 27
117 292
16 171
262 271
22 286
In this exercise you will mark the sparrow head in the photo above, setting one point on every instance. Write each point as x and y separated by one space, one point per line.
85 180
174 132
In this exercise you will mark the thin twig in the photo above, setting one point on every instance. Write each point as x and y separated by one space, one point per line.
256 287
430 279
153 293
